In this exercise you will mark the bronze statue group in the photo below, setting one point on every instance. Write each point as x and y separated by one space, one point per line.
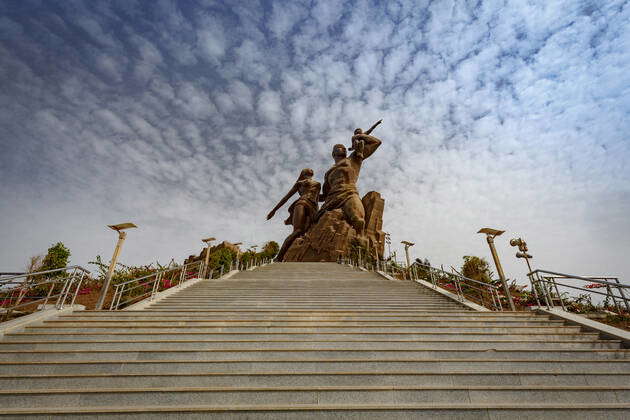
339 190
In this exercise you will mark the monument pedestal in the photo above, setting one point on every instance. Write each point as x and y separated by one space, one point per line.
332 237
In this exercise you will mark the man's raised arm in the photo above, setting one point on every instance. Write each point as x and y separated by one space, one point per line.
365 145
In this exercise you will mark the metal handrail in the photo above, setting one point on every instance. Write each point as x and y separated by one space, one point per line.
39 273
69 278
542 281
121 288
196 266
411 273
459 279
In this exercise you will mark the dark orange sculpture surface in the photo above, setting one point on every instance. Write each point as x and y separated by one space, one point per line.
326 234
303 211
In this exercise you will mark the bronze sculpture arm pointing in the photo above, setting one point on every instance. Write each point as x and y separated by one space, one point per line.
373 127
284 199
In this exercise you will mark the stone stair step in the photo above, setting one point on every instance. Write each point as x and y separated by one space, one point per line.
301 354
105 333
494 411
121 397
358 378
316 323
315 365
133 344
302 319
265 314
298 326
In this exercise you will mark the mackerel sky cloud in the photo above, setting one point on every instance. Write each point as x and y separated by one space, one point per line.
192 118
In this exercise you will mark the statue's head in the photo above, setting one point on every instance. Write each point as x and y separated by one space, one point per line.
306 173
358 131
339 151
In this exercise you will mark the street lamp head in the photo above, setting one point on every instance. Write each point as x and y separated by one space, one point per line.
122 226
490 231
521 244
407 244
208 240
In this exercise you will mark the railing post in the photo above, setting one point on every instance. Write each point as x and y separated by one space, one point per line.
182 274
76 292
52 287
548 298
614 298
534 287
622 294
156 285
496 293
65 289
116 299
111 304
555 285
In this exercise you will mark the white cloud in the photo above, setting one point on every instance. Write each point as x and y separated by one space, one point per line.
196 121
270 106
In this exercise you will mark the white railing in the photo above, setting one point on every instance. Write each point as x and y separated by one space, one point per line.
148 286
546 286
465 288
33 291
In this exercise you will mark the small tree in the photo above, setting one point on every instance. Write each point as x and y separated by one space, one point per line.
39 284
221 258
270 249
57 257
476 268
34 263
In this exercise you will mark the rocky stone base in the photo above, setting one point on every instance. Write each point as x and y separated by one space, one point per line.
332 237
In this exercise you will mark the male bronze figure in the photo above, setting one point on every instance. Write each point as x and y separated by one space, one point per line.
303 211
340 181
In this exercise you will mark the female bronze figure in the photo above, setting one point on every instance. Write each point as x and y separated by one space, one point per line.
302 212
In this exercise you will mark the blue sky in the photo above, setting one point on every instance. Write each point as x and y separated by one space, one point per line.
193 118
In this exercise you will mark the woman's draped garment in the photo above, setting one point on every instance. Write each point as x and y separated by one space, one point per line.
309 193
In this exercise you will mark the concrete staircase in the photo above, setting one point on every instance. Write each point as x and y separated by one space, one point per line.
310 340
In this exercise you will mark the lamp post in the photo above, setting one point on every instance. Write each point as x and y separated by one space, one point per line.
407 246
522 247
490 235
207 241
112 265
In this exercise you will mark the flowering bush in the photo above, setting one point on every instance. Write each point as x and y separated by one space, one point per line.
595 286
167 283
85 290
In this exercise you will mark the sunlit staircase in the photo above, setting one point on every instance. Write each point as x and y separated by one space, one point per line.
310 340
